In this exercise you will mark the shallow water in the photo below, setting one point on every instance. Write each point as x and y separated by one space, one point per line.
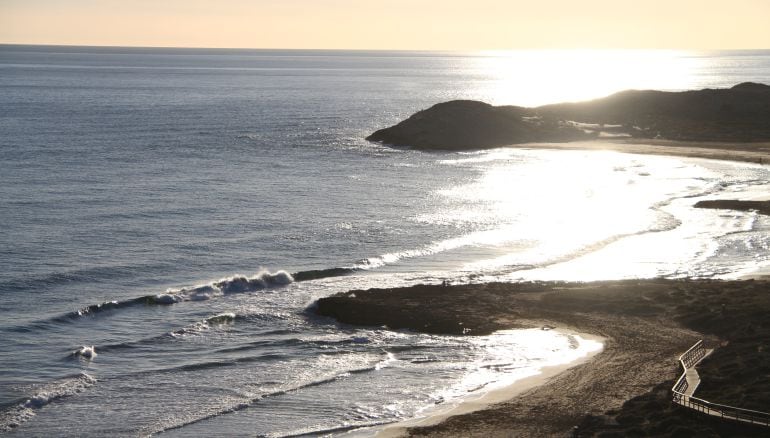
132 181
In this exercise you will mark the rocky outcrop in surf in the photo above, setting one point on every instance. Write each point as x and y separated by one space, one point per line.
740 113
762 207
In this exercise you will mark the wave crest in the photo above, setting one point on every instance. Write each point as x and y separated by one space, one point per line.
263 280
16 415
235 284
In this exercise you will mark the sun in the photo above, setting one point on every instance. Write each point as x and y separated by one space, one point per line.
538 77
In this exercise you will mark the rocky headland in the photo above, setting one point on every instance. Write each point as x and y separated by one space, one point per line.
737 114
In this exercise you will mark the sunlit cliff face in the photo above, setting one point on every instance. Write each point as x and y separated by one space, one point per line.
538 77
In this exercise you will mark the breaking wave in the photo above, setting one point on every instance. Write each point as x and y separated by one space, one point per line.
236 284
17 414
242 403
216 321
219 320
229 285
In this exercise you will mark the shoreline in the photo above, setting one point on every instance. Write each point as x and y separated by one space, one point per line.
646 325
441 423
757 153
489 398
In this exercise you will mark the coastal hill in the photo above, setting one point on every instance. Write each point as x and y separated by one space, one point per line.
737 114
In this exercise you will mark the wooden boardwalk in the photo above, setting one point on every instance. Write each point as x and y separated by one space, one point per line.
693 378
685 387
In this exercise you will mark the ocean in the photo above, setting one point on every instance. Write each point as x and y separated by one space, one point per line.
169 216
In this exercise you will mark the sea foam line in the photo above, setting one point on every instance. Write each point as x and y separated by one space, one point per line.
216 321
16 415
266 280
235 284
246 401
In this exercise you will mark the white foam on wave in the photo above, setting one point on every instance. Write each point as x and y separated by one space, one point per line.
502 154
88 352
387 361
221 319
494 238
235 284
262 280
43 395
325 370
509 356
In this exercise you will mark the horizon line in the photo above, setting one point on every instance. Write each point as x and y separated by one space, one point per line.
554 49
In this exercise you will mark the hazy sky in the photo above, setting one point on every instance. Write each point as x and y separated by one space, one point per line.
391 24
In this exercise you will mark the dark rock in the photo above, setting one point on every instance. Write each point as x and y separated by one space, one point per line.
467 124
762 207
752 86
740 113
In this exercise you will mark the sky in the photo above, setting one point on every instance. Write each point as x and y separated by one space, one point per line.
391 24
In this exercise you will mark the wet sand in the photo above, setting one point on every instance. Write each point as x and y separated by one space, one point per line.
487 399
758 152
646 325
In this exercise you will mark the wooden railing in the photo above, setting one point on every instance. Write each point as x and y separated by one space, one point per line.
693 355
688 360
680 387
726 412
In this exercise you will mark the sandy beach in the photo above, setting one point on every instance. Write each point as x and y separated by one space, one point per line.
646 325
756 152
492 397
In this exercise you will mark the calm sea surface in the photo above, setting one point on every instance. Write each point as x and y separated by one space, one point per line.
178 211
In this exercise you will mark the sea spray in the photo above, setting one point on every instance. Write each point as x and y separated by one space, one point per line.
87 352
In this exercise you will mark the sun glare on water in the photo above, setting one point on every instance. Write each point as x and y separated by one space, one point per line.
540 209
538 77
